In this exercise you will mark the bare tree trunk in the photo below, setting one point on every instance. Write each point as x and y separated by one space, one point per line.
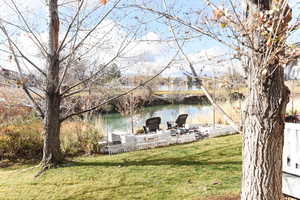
263 138
51 152
264 122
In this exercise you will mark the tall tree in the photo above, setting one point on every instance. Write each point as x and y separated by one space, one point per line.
259 41
73 37
266 105
52 152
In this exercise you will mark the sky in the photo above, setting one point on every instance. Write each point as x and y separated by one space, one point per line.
149 49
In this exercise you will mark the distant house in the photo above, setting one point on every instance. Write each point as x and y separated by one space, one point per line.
177 81
292 69
9 76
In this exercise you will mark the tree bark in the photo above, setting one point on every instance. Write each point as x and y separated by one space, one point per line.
264 121
263 138
52 152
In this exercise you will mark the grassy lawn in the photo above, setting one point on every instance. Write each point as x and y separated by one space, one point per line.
193 171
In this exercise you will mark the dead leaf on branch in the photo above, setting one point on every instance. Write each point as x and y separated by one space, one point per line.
103 1
217 13
223 25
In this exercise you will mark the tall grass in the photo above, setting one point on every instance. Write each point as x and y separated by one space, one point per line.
12 107
293 106
21 132
232 109
79 137
23 139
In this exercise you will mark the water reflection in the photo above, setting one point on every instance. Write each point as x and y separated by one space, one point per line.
116 122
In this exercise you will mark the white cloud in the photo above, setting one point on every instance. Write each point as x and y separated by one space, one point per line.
145 55
29 9
209 62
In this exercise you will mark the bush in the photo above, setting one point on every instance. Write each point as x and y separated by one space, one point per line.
23 140
20 141
81 137
10 114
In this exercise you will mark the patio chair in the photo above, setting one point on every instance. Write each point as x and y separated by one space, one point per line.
152 124
179 123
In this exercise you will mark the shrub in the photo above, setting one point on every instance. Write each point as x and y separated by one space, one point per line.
12 109
79 137
10 114
20 141
23 139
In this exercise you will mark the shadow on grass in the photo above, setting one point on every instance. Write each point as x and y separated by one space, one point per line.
209 157
17 162
154 162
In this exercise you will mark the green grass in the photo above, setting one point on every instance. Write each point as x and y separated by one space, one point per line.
193 171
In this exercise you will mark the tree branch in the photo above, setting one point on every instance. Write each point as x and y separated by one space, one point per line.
91 31
20 71
122 94
29 29
227 117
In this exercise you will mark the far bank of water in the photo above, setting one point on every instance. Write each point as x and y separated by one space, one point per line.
115 122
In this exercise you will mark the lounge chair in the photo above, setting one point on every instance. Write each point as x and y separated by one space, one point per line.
179 123
152 124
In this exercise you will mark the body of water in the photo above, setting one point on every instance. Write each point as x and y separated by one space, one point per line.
116 122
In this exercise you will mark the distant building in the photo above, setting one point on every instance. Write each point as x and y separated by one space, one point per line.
292 69
8 74
8 77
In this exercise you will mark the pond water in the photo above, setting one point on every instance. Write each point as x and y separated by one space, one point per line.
116 122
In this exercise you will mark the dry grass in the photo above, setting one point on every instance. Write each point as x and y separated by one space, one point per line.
81 137
294 105
218 92
294 87
11 105
13 96
232 109
23 139
12 113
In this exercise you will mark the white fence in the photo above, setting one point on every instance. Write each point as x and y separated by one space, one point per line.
291 160
130 142
291 149
119 142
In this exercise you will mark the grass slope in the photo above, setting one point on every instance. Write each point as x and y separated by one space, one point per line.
192 171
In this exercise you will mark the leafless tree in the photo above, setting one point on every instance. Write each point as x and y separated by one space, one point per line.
73 41
257 35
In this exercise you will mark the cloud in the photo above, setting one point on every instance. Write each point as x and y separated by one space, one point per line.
146 54
29 9
208 62
142 55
